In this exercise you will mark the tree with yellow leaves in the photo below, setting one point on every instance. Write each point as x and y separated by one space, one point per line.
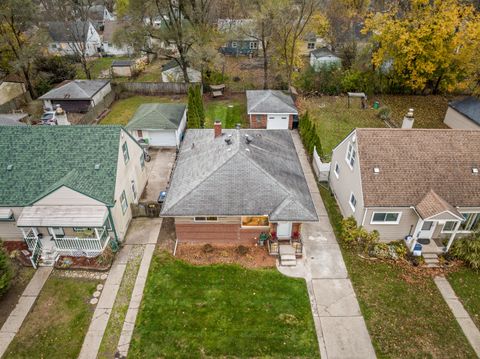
432 46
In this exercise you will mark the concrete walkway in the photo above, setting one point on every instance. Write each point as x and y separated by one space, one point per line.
463 318
341 329
11 327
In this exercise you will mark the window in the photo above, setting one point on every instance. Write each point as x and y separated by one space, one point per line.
351 155
385 218
257 221
123 201
253 45
449 226
427 225
139 133
353 201
205 219
471 223
126 156
134 190
234 44
82 229
311 45
337 170
56 232
6 215
142 161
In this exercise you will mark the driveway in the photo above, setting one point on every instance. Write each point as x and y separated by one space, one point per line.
158 172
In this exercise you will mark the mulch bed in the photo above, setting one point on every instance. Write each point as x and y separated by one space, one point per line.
19 247
82 263
249 257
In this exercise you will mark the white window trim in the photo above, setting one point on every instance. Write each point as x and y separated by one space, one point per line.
337 174
443 231
347 159
234 44
465 231
124 194
350 201
386 222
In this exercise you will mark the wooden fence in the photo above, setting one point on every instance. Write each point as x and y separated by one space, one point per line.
151 88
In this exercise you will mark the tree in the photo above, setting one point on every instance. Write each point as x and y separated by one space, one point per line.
55 68
6 272
430 47
196 112
19 38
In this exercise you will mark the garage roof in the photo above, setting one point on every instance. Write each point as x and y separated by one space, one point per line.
270 101
75 90
157 116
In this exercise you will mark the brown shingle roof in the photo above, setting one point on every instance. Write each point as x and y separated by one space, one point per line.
432 204
414 161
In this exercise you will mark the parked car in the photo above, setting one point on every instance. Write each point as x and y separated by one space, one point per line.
49 118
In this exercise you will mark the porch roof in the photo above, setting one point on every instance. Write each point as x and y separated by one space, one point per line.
432 205
63 216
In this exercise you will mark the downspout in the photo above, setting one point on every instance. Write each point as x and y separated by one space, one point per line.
114 244
364 216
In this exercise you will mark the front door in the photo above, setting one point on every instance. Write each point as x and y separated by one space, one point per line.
284 229
427 229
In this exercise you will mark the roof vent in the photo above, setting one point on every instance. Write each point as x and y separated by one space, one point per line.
238 126
248 139
376 170
228 139
9 167
97 166
475 170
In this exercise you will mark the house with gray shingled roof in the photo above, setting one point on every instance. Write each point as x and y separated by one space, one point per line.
67 190
72 37
271 109
159 124
463 114
390 181
230 186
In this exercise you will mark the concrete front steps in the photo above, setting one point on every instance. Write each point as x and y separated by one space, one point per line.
431 260
287 257
48 258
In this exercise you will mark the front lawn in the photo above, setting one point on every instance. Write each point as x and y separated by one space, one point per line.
222 311
122 111
230 112
466 284
58 322
334 120
405 313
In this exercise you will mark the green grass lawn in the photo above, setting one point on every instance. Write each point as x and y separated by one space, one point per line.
335 120
222 311
230 112
58 322
98 66
122 111
466 284
405 314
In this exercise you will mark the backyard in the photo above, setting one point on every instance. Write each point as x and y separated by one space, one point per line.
404 311
122 110
222 311
100 67
334 120
466 284
57 324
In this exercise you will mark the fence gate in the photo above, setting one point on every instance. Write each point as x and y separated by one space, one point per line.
147 209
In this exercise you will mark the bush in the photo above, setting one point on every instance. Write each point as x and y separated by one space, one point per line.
196 112
309 135
468 250
241 250
208 248
384 113
6 271
358 237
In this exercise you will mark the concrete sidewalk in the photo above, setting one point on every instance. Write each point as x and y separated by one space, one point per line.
11 327
341 329
463 318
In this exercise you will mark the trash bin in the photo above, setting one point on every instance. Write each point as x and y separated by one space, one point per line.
376 105
417 250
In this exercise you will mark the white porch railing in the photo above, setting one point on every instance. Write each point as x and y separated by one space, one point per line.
94 244
31 238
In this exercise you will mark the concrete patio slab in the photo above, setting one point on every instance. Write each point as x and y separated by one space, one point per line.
335 297
345 338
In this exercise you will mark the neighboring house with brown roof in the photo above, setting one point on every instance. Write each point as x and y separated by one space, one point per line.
463 114
389 180
108 45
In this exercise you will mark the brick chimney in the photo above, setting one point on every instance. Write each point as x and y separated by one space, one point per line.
217 128
408 119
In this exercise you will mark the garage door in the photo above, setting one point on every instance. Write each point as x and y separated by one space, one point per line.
277 122
162 138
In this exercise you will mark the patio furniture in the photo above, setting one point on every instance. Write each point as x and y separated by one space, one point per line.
217 90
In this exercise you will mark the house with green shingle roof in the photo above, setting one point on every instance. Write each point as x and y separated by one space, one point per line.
66 190
159 124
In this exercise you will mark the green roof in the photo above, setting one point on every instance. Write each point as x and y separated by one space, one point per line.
157 116
36 160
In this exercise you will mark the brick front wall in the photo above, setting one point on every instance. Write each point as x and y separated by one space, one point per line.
261 123
290 122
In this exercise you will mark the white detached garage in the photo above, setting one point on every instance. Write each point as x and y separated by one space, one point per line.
271 109
159 124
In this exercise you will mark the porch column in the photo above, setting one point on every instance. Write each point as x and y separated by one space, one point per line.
96 233
452 236
416 232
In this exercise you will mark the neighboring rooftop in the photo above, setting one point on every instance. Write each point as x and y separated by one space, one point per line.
109 29
469 107
413 162
75 90
73 31
122 63
170 65
323 52
12 119
36 160
270 101
263 177
157 116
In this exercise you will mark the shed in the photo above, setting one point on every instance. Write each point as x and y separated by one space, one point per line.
171 72
463 114
159 124
324 58
122 68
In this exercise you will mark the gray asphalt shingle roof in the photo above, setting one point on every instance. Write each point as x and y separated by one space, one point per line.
73 31
12 119
75 90
261 178
157 116
323 52
469 107
270 101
